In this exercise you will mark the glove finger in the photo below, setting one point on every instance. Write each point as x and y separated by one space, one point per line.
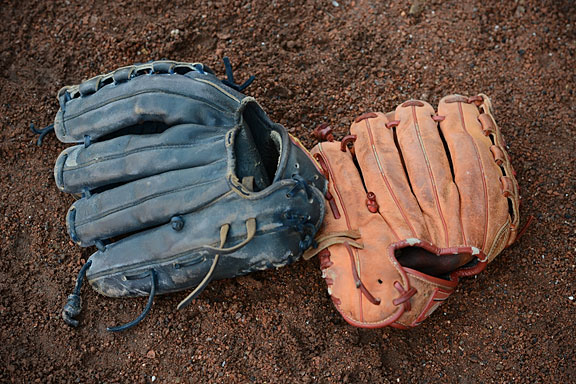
132 157
384 175
357 279
476 172
145 203
429 172
115 102
511 189
345 186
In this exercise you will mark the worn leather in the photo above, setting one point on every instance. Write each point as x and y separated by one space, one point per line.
446 204
170 155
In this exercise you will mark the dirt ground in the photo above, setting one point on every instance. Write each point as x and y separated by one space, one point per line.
315 61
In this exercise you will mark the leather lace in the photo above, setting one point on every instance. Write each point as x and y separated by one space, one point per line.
73 305
405 296
358 282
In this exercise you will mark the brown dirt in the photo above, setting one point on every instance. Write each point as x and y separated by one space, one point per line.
314 62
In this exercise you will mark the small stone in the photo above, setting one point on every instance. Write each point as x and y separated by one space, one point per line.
416 8
474 359
151 354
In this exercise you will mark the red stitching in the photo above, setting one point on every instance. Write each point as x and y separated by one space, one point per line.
404 216
483 180
432 179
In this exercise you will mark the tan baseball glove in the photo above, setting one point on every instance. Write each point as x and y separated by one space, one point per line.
417 199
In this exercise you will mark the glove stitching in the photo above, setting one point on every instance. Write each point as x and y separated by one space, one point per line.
138 150
430 173
483 178
143 92
145 199
389 187
499 241
218 88
160 261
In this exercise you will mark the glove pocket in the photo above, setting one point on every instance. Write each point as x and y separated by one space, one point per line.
433 274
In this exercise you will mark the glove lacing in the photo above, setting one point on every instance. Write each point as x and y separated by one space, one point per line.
73 306
229 81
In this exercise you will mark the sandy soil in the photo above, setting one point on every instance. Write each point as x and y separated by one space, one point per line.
316 61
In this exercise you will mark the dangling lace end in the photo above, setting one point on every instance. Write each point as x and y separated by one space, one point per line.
72 309
247 83
250 232
203 284
230 77
41 132
154 283
73 305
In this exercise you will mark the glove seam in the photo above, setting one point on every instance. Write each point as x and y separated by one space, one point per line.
238 100
483 178
158 261
145 199
140 93
138 150
500 238
431 175
388 186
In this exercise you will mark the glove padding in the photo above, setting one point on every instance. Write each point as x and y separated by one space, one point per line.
182 179
419 200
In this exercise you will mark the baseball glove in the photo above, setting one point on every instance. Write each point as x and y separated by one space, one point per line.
182 179
417 199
